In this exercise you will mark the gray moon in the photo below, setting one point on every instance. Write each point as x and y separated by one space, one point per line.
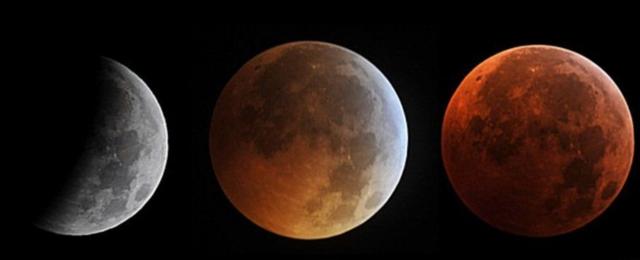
308 140
122 163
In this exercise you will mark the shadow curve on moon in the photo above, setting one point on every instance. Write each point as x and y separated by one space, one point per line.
122 162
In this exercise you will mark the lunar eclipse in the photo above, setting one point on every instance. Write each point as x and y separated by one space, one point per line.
308 140
537 141
272 139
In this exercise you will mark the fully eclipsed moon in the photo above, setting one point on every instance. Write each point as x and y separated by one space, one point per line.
122 163
308 140
537 141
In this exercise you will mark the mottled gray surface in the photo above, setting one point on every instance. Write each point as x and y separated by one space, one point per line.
123 162
308 140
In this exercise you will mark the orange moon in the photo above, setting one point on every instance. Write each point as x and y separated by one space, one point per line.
537 141
308 140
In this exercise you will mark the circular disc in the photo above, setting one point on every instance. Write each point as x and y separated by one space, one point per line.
537 141
308 140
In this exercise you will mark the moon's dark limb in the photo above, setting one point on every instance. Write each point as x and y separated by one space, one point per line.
123 160
308 140
537 141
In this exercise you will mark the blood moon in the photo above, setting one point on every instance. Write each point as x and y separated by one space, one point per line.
308 140
537 141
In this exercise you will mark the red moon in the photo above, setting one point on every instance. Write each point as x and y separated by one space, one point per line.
537 141
308 140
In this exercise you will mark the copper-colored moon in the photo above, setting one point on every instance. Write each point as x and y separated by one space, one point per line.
537 141
308 140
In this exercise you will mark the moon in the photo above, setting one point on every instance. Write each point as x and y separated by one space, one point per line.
122 162
308 140
537 141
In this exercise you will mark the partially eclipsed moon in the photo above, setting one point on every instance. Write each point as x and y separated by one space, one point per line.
537 141
122 163
308 140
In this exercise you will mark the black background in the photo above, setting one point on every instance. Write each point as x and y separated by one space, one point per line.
186 66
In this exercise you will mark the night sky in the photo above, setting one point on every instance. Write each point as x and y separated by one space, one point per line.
186 67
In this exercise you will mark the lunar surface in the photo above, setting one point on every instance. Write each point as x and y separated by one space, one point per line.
308 140
122 163
537 141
